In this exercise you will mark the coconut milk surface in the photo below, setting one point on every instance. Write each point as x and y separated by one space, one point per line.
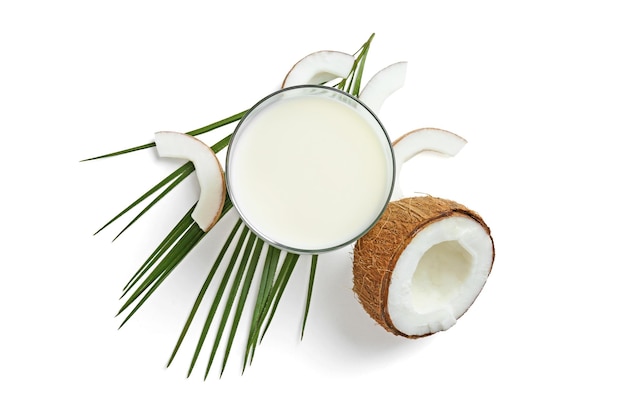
310 172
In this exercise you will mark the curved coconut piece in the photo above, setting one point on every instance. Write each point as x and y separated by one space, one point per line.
422 265
208 170
420 140
319 67
383 84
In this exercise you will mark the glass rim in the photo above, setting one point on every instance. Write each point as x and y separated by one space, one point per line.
384 139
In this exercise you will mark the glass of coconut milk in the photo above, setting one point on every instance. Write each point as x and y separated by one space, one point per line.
310 169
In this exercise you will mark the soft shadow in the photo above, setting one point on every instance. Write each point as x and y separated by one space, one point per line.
351 337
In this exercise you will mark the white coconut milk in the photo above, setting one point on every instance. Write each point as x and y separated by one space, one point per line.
310 172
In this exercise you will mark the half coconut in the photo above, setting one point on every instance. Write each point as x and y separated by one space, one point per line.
422 265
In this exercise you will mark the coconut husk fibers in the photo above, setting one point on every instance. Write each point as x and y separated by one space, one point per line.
376 253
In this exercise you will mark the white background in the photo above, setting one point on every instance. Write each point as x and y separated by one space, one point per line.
538 90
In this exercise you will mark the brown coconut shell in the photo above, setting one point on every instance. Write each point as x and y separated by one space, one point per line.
376 253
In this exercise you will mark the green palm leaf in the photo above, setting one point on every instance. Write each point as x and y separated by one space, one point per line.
309 295
241 257
234 289
218 296
204 289
243 296
183 171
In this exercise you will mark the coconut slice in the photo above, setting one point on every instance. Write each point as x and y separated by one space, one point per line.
422 265
319 67
382 85
421 140
208 170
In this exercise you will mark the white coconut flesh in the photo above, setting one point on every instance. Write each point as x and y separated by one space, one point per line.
421 140
439 275
319 67
382 85
208 170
